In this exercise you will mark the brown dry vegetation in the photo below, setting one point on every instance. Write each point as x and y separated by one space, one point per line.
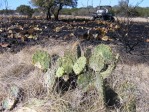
129 80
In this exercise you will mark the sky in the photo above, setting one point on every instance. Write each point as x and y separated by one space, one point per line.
12 4
81 3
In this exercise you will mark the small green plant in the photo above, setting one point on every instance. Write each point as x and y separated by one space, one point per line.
41 59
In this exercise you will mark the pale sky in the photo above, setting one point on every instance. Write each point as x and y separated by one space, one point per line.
12 4
81 3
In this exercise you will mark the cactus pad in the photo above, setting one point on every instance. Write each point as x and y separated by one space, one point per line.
60 72
108 71
66 63
99 85
85 80
49 78
79 65
104 51
96 62
41 59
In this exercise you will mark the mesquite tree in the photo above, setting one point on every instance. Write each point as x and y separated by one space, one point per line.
25 10
53 6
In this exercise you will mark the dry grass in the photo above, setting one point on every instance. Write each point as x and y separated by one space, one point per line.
131 84
129 81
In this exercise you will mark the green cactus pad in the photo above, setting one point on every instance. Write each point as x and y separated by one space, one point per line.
66 63
79 65
108 71
60 72
96 62
49 78
104 51
85 80
41 59
99 85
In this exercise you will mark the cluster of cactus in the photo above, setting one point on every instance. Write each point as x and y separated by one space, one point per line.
90 68
102 62
70 61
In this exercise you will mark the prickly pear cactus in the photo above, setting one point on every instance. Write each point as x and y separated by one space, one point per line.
79 65
110 67
49 79
102 61
41 59
96 62
65 66
60 72
85 80
108 71
105 52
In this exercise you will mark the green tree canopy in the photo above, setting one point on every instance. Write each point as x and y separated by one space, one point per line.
25 10
53 6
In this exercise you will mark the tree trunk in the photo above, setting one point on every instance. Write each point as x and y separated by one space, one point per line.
48 14
56 14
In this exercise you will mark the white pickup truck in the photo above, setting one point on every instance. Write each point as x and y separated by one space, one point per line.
103 14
